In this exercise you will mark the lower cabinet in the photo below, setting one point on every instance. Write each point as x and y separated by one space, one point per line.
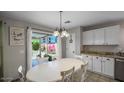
103 65
108 66
88 59
97 64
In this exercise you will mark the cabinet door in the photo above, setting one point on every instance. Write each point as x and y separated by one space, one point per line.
97 64
108 66
90 62
99 36
88 38
112 35
88 59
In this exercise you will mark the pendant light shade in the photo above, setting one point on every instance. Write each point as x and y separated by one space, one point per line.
64 34
56 33
61 31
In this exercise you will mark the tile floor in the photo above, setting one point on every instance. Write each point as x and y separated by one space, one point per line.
93 77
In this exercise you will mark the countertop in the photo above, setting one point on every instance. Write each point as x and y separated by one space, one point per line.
105 55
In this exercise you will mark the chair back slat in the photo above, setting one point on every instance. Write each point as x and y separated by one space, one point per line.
67 76
80 74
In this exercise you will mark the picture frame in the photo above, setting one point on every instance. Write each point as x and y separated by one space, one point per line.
16 36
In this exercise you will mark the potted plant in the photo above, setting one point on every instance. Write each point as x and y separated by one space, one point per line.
49 57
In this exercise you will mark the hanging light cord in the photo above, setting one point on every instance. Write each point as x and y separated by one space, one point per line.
60 20
61 30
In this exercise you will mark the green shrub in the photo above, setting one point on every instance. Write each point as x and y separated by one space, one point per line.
35 46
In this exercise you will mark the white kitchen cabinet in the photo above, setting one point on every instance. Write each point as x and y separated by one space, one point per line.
97 64
108 66
103 36
103 65
88 37
112 35
89 59
99 36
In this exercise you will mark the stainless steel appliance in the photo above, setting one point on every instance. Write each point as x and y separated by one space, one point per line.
119 69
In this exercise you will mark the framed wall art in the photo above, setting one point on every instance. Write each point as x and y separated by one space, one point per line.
16 36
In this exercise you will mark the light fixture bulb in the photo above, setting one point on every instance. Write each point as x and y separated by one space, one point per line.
67 35
63 33
56 33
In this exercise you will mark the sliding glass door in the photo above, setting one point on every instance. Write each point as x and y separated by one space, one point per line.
44 48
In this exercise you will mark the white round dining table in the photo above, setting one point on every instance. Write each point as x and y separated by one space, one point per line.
50 71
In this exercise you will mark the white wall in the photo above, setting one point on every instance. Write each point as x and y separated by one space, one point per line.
122 36
0 49
14 56
63 47
78 37
59 48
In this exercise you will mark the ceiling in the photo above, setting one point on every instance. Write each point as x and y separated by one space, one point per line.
50 19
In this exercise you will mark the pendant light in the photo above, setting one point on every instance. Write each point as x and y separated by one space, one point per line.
61 31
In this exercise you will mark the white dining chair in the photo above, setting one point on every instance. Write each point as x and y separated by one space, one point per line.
84 74
20 73
80 74
20 77
79 57
67 76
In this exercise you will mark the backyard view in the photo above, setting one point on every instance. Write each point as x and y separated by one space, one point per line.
43 48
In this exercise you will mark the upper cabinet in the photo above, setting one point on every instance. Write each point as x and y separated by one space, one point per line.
102 36
112 35
99 36
88 37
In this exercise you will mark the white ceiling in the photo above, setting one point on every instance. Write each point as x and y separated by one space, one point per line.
51 18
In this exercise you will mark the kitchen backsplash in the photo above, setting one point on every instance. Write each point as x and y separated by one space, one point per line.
100 48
